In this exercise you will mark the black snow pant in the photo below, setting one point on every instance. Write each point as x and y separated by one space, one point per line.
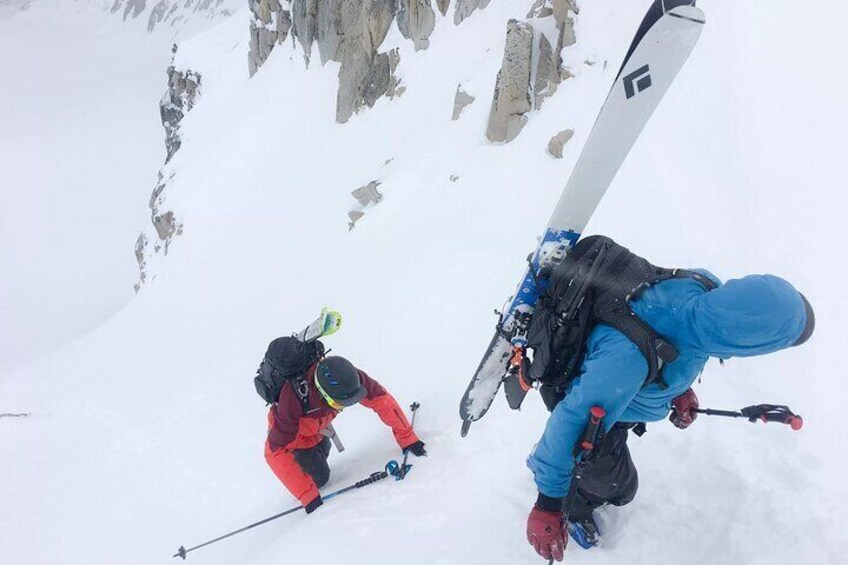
313 461
607 476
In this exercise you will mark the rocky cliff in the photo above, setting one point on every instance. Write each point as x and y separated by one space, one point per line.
180 96
352 34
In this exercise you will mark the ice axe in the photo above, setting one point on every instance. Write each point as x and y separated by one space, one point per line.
763 412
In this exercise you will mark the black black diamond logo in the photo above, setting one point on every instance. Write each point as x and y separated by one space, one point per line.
637 81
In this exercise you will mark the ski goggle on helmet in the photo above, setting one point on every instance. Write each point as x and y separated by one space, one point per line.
338 382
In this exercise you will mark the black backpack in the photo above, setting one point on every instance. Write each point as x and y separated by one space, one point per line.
593 284
286 360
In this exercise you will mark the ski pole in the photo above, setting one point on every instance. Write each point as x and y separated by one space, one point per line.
584 447
763 412
390 469
404 468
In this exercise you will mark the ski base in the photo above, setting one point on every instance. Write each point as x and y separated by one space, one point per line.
487 379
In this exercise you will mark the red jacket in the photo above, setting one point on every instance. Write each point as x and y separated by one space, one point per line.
290 428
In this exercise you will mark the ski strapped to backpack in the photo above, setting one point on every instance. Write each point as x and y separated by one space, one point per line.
660 47
594 284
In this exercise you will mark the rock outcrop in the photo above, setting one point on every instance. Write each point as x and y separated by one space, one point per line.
557 143
358 31
460 101
165 227
353 217
179 98
269 26
366 196
554 74
520 88
183 89
164 221
512 86
141 259
416 20
465 8
350 32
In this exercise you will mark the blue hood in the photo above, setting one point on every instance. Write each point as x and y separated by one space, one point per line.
754 315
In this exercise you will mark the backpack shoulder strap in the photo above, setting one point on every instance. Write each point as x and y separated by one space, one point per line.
705 281
301 390
624 277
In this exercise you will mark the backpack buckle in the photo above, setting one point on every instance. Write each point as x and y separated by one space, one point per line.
302 389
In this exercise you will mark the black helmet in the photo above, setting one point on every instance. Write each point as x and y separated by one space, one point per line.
339 379
811 322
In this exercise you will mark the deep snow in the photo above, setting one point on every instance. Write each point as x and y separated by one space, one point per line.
147 434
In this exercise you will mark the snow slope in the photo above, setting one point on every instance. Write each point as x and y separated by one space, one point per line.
146 433
80 145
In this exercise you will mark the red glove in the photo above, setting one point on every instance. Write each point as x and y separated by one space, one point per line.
683 409
546 533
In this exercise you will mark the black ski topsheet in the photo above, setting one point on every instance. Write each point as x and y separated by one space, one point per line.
657 10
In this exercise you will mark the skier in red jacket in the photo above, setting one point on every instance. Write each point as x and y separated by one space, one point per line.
297 451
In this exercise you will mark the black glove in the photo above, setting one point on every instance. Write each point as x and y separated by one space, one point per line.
416 448
316 502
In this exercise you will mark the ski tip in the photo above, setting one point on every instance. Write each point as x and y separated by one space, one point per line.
332 322
689 13
466 425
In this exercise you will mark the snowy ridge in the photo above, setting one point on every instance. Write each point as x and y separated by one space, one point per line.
146 433
176 17
179 16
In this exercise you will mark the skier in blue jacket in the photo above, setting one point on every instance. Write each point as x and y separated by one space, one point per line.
754 315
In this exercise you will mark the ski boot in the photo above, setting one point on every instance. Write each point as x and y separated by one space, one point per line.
585 532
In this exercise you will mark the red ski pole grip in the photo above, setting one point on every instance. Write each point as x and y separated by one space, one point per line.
597 413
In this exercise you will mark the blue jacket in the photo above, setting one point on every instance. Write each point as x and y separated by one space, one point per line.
754 315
